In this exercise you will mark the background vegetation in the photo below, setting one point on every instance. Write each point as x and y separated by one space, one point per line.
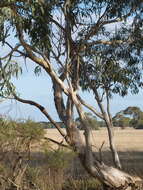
130 117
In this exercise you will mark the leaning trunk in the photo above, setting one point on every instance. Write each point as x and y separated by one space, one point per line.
107 175
110 177
108 121
114 152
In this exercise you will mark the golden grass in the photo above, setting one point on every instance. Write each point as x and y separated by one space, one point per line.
129 143
61 169
125 140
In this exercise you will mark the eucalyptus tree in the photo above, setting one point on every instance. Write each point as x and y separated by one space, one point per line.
131 116
94 45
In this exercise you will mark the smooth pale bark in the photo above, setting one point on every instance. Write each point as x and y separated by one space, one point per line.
111 177
108 121
114 152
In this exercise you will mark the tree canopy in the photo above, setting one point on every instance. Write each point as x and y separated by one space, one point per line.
105 37
129 117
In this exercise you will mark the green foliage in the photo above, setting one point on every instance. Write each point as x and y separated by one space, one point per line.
101 124
134 119
139 124
33 17
16 139
108 66
19 136
122 122
56 159
33 173
114 68
21 165
8 70
26 129
134 112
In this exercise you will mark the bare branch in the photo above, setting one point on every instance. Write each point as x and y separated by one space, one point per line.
43 110
20 52
57 59
100 151
57 24
90 107
10 53
58 143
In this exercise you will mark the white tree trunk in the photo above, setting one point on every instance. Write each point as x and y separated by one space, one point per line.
111 177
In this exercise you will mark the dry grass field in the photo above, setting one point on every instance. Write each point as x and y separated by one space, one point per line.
125 140
129 143
43 166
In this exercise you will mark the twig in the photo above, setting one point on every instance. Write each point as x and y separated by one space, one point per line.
100 151
58 143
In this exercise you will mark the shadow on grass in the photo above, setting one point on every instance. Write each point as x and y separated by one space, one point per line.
132 162
46 173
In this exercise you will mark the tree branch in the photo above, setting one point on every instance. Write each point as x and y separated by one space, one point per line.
58 143
42 62
59 102
29 50
108 106
57 24
90 107
43 110
10 53
96 27
20 52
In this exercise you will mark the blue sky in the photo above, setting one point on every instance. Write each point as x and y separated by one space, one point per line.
40 89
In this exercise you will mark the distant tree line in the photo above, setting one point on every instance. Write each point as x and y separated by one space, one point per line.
129 117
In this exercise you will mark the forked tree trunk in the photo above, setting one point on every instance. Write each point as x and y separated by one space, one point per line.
112 178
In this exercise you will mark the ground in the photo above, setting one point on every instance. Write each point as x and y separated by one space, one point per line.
129 143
